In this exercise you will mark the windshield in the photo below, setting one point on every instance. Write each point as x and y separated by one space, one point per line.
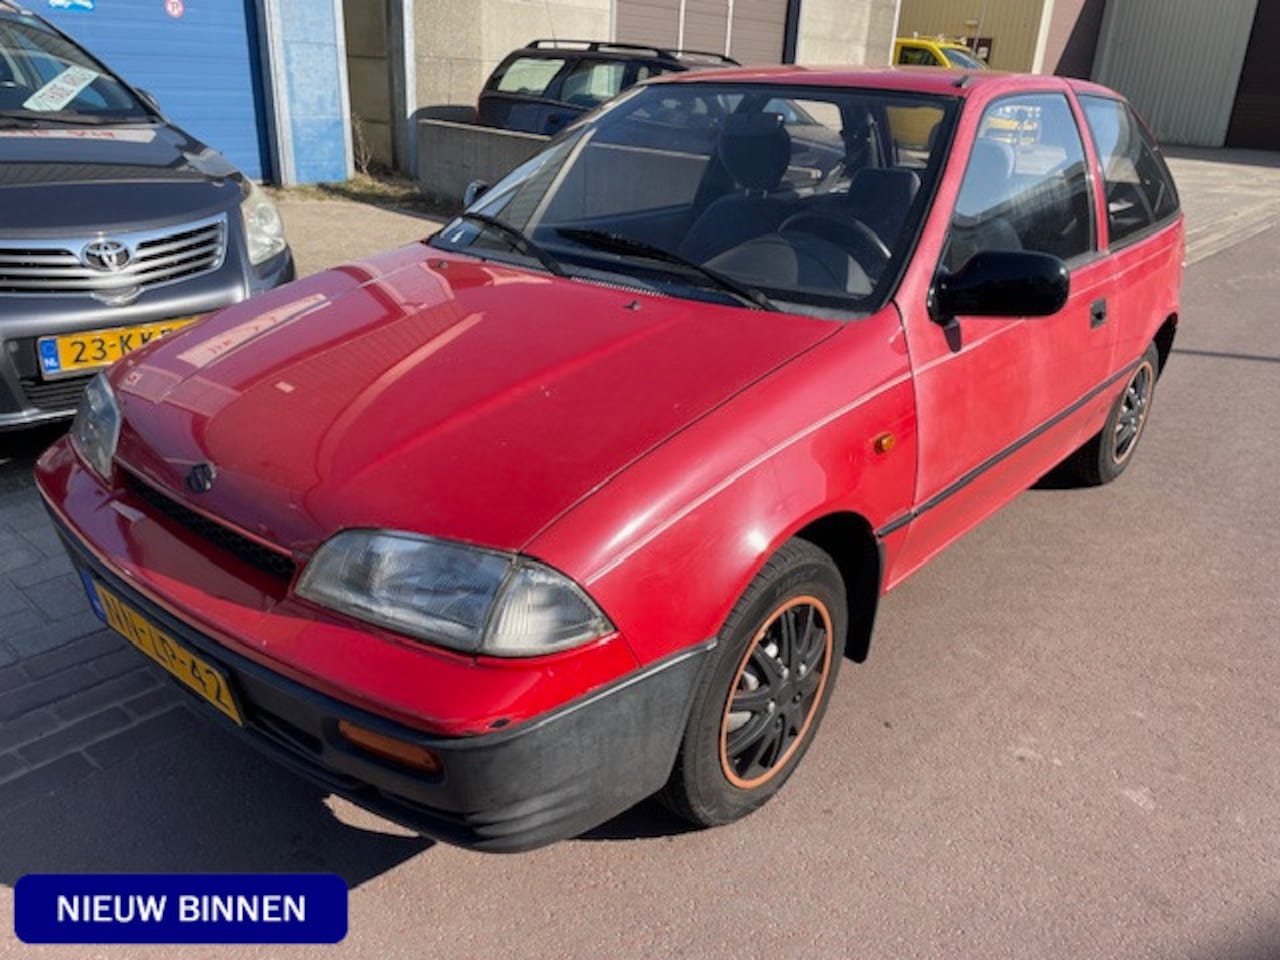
44 78
963 59
767 196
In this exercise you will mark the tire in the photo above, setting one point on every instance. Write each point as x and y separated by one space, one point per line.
785 635
1106 455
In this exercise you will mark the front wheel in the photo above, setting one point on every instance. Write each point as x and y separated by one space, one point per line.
1106 455
765 690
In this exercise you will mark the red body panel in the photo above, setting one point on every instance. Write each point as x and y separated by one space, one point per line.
433 393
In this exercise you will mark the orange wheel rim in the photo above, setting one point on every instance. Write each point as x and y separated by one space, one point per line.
776 692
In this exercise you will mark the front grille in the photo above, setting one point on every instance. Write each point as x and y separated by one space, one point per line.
55 396
251 552
59 267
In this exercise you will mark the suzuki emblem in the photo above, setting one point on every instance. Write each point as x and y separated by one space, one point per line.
201 477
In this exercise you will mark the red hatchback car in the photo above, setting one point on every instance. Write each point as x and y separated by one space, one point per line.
588 496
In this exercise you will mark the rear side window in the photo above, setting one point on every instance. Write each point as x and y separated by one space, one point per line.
592 82
917 57
529 75
1140 191
1026 186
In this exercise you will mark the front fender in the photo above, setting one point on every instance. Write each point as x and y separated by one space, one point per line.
667 546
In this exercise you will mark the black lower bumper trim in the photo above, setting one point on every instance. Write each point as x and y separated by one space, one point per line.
546 779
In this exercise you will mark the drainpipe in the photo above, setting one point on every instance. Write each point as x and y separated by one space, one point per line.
791 32
403 63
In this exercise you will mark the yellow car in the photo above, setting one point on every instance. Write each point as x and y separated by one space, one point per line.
935 52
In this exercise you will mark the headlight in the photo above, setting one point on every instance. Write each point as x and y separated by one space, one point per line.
96 428
263 227
458 596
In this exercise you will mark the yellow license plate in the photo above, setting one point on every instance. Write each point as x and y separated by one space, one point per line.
81 352
195 672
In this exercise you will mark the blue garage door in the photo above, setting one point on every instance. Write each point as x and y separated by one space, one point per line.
199 58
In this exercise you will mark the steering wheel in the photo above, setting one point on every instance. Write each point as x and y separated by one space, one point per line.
868 249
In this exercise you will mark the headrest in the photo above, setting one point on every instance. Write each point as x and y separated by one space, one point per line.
986 179
755 148
881 188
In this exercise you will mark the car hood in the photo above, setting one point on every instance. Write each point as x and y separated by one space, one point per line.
432 393
108 178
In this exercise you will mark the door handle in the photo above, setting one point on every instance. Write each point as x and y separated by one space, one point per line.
1097 314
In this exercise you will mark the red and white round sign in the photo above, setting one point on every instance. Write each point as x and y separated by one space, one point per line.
174 8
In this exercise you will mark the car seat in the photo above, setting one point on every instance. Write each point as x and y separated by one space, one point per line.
755 149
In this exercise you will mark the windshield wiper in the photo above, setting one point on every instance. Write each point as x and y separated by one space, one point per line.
518 240
617 243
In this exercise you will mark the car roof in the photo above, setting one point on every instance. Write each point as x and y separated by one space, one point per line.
934 42
606 49
953 83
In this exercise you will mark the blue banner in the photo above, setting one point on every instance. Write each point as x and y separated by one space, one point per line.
180 908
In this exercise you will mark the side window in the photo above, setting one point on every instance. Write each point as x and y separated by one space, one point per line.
917 57
1027 184
1140 191
529 75
592 82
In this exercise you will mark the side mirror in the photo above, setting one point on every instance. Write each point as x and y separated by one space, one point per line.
475 190
151 100
1001 283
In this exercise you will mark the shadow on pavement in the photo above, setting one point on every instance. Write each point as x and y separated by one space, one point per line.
1248 158
645 821
19 451
197 802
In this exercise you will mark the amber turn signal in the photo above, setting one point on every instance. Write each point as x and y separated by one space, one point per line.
884 443
389 748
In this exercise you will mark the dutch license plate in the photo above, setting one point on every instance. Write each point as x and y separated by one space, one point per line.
193 671
80 352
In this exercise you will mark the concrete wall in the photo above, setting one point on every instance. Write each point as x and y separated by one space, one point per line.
459 42
369 75
1016 27
451 155
846 31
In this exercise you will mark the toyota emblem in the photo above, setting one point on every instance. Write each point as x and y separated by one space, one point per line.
111 256
201 477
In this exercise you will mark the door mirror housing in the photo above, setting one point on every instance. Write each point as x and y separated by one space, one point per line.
150 99
1001 283
475 190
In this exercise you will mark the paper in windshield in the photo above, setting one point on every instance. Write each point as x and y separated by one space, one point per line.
61 90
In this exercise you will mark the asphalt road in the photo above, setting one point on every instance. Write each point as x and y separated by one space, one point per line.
1064 744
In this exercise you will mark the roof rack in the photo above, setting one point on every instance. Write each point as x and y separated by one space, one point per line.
608 46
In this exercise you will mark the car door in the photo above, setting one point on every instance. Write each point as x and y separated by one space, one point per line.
1141 202
1002 399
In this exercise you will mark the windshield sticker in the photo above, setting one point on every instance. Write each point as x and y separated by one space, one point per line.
61 90
71 5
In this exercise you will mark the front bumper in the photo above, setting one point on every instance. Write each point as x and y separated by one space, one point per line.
546 779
